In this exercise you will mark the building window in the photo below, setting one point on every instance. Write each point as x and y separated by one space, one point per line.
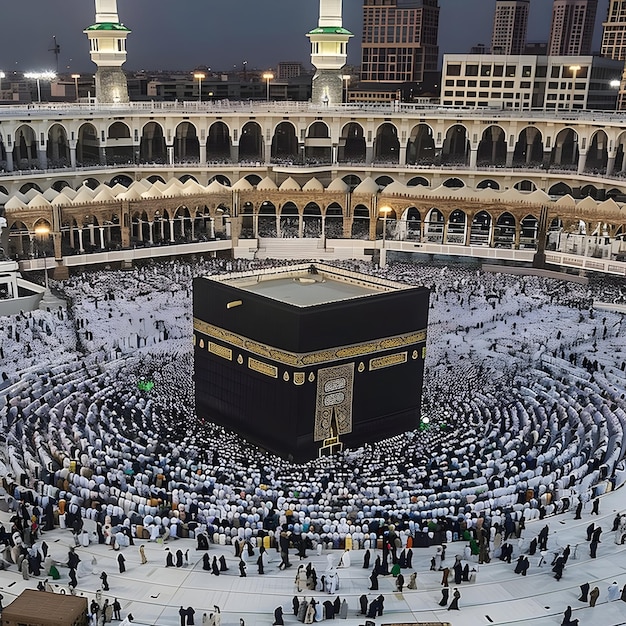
498 70
485 70
527 71
454 70
471 70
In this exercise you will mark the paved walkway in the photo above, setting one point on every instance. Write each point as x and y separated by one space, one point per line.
153 593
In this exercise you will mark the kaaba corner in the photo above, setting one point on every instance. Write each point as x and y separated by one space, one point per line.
306 359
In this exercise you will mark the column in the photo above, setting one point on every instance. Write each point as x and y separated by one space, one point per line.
42 157
610 164
101 229
202 153
369 154
81 249
10 160
139 229
509 157
92 237
171 220
582 160
402 155
473 157
150 233
73 153
170 155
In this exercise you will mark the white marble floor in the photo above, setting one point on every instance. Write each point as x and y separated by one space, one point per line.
153 593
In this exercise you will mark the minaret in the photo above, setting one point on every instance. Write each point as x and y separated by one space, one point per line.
329 43
107 40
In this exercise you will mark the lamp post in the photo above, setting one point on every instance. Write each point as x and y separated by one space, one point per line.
76 77
574 69
39 76
43 230
199 76
2 75
616 84
267 76
346 81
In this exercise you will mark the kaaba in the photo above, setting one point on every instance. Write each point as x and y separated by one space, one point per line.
305 359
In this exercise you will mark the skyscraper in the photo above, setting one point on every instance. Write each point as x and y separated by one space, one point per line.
614 42
510 23
400 41
571 32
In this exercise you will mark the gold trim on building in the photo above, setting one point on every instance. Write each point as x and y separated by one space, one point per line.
298 378
308 359
263 368
223 351
389 360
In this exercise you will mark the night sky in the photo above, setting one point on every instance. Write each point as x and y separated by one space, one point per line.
183 34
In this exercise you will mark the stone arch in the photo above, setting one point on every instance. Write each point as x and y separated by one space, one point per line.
266 220
186 143
386 144
488 183
352 180
529 230
591 191
289 222
25 148
26 187
251 142
253 179
155 178
185 177
152 147
492 147
420 147
118 130
481 229
457 227
418 181
317 145
434 223
413 219
620 143
528 151
455 146
453 183
87 145
121 179
312 220
333 221
92 183
383 181
60 185
352 147
58 147
597 153
560 189
505 230
221 179
565 151
360 222
218 143
19 240
525 185
285 143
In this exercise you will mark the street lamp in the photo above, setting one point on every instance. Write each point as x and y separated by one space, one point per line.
574 69
346 81
267 76
76 77
43 230
385 210
199 76
39 76
2 75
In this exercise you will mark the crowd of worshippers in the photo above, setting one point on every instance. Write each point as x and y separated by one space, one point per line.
87 444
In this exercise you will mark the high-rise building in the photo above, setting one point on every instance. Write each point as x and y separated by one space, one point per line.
510 23
614 42
400 41
571 32
107 41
